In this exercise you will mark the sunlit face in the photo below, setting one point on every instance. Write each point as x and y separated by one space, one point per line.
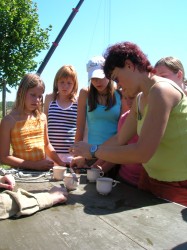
65 86
124 77
100 84
165 72
33 98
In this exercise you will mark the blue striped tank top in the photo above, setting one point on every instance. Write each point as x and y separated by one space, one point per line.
62 126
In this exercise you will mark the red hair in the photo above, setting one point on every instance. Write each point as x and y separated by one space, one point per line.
117 54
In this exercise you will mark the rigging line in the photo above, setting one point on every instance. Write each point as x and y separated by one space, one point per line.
96 21
107 22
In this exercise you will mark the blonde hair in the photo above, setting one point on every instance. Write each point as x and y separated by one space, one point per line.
29 81
172 63
65 72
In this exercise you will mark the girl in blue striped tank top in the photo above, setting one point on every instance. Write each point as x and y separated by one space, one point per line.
61 110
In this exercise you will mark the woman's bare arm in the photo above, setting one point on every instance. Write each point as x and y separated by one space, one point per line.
161 101
81 115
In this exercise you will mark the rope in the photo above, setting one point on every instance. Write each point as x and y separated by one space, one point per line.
20 177
30 181
28 176
102 23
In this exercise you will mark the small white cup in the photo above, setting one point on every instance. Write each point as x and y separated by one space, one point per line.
93 174
104 185
69 182
58 172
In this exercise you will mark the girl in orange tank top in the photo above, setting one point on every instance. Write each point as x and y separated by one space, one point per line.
25 130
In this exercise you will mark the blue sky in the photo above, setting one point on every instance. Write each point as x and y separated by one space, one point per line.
158 27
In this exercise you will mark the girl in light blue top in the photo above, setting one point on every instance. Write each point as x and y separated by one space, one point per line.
102 122
99 106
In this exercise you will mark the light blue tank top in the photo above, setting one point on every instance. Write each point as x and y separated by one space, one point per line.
102 124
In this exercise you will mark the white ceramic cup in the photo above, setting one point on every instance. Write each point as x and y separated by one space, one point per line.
58 172
93 174
69 182
104 185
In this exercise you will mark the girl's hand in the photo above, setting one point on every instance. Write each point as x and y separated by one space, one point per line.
7 182
42 165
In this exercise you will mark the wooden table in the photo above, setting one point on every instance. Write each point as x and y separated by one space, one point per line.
125 219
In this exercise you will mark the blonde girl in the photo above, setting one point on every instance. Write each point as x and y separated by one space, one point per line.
25 129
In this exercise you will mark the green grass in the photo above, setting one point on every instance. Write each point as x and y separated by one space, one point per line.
4 166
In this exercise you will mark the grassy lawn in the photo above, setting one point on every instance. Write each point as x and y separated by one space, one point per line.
4 166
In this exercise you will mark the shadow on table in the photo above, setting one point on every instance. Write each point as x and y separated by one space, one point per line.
182 246
123 197
184 215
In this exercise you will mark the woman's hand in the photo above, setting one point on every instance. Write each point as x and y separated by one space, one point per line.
81 149
7 182
78 161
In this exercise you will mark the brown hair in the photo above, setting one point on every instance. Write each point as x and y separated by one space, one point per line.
93 96
117 54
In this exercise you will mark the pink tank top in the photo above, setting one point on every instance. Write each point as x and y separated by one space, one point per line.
129 172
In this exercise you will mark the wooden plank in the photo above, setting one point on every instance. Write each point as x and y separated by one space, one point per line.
62 227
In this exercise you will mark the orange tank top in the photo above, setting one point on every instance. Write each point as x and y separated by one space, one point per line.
27 139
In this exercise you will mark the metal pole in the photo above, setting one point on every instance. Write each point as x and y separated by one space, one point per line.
60 35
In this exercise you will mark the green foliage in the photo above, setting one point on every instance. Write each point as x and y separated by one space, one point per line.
22 39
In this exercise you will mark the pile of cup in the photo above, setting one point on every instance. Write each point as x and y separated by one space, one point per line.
104 185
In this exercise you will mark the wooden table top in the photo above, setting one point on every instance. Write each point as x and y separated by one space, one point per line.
127 218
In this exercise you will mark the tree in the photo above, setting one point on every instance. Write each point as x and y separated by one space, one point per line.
22 39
